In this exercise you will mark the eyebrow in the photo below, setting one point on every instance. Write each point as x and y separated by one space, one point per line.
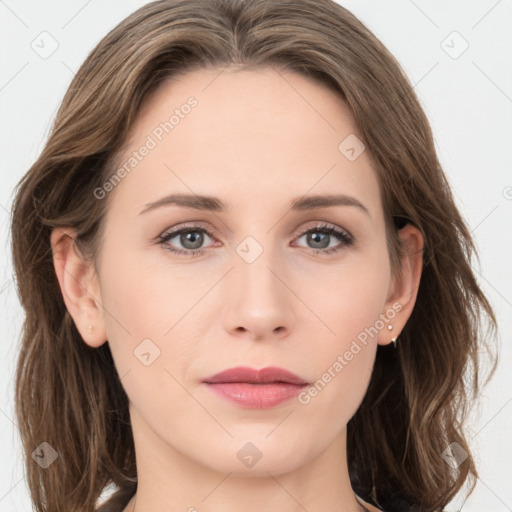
214 204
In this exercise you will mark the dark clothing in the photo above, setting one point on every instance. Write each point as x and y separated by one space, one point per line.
393 504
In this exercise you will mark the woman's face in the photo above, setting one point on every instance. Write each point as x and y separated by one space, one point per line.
278 279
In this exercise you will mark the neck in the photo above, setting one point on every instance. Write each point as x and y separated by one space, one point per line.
167 477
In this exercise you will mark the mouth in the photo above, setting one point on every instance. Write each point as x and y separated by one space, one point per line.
256 389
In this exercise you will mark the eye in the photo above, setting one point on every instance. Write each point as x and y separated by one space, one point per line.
320 238
191 239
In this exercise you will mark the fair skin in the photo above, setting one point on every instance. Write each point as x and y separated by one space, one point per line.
256 140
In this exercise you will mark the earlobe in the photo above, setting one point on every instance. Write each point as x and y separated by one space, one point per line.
79 286
404 287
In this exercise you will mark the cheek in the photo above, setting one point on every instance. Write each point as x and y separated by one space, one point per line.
148 331
349 305
144 306
343 363
348 298
145 294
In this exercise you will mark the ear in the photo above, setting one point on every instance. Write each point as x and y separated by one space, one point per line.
79 286
403 288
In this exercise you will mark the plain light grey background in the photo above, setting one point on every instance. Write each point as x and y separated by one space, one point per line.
458 54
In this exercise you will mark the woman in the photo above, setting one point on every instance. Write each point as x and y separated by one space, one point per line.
245 279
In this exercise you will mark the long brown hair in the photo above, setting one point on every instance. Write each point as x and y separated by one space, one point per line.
70 395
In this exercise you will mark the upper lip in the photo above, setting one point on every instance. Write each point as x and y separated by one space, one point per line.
251 375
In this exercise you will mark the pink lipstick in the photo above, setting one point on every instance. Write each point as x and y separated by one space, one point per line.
256 389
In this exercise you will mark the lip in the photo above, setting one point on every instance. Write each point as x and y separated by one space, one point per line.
256 389
267 375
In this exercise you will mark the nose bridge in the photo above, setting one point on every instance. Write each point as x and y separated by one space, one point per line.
258 299
256 263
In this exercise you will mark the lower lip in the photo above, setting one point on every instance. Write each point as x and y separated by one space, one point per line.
256 396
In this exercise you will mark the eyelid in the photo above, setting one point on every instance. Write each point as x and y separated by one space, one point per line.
324 224
176 230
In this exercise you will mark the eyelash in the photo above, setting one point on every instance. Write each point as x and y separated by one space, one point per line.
343 236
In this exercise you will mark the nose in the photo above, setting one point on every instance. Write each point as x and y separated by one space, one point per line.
259 305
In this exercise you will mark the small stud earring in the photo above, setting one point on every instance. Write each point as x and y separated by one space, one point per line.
394 341
390 327
89 329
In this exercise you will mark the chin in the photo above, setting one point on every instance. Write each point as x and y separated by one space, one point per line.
257 455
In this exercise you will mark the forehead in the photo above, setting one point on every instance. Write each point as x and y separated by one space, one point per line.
248 133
